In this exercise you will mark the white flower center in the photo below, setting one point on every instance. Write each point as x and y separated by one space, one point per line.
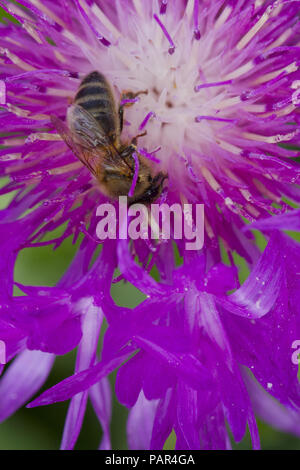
177 117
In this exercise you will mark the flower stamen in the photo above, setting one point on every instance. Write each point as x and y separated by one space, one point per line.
101 38
254 30
163 7
212 118
171 49
212 84
197 34
145 121
42 136
49 13
16 60
138 8
104 20
149 155
242 70
129 100
293 67
271 139
136 174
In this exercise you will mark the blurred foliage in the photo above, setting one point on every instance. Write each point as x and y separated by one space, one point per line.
41 428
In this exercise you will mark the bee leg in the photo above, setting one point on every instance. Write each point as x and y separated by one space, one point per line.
134 140
128 95
121 117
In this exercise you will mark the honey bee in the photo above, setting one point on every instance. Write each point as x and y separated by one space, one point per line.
94 135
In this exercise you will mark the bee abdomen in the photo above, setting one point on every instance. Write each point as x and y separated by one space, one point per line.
93 104
96 97
94 77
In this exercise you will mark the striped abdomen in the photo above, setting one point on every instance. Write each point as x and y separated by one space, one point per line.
95 96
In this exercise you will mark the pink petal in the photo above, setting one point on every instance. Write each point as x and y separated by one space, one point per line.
23 379
259 292
100 395
140 423
91 325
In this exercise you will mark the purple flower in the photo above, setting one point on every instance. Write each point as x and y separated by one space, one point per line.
201 350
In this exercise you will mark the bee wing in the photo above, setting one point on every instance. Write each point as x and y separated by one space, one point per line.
84 126
84 154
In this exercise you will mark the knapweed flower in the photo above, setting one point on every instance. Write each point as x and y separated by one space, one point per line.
201 354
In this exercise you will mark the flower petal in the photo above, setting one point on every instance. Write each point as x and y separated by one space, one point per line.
129 380
187 418
212 323
24 377
100 395
135 274
76 383
183 363
163 420
140 423
287 221
259 292
270 410
91 324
